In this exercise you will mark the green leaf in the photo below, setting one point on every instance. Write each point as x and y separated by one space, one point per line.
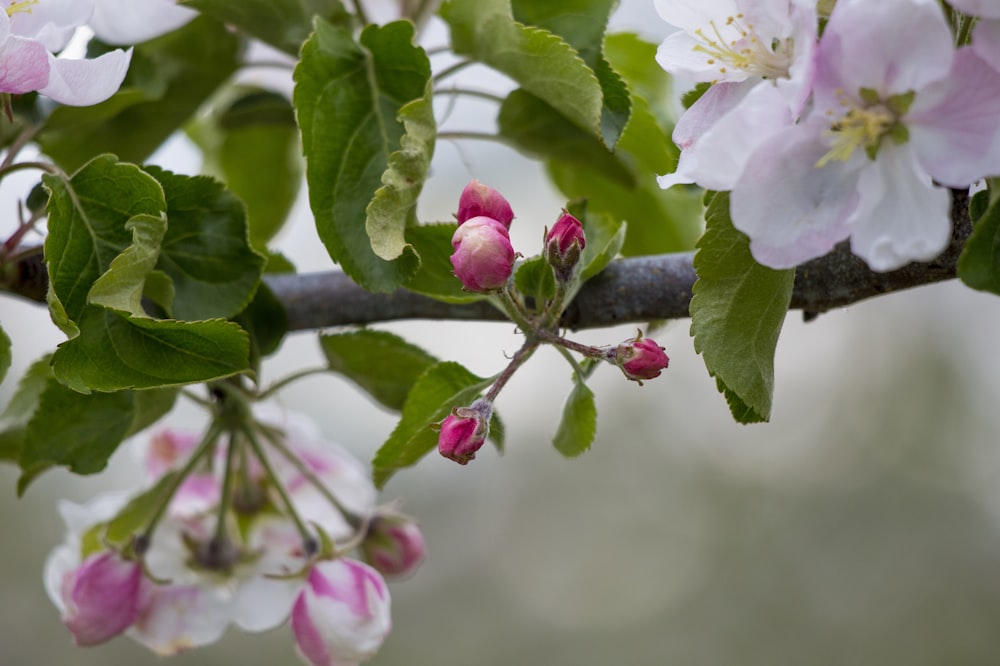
137 514
121 286
266 321
737 312
635 60
539 130
25 399
605 236
582 23
348 97
11 444
284 24
206 250
87 227
536 280
114 351
149 407
383 364
979 263
75 430
440 388
436 276
259 159
539 61
579 422
169 79
395 204
5 354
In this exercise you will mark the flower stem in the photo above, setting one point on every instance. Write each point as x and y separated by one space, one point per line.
520 356
285 381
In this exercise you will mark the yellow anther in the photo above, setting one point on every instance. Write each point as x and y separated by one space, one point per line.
19 7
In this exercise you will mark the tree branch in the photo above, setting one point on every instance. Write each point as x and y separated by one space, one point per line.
635 289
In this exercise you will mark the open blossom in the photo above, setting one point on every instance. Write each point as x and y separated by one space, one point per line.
759 55
31 32
894 118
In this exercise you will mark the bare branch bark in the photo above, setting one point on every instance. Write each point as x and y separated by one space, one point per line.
635 289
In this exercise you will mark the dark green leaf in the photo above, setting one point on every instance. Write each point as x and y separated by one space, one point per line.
979 263
266 321
284 24
440 388
436 276
136 515
150 407
87 227
169 79
737 312
11 444
206 250
635 60
579 422
383 364
348 97
582 24
75 430
539 61
5 354
115 352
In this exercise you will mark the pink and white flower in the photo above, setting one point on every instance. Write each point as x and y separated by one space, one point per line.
341 617
32 31
893 119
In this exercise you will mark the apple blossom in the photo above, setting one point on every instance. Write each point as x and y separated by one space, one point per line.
483 257
102 597
564 243
482 200
394 545
639 359
463 432
30 32
341 616
893 118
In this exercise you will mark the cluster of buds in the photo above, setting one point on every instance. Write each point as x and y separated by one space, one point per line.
484 262
190 572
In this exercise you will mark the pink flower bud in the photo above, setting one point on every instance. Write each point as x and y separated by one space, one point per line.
102 597
394 545
563 245
640 359
341 616
484 257
482 200
464 431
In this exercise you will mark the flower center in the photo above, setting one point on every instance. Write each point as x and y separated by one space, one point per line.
21 7
748 53
865 125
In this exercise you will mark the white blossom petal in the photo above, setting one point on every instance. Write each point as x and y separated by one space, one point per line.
131 22
986 41
180 617
901 216
989 9
52 22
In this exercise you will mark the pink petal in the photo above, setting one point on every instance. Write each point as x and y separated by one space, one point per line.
954 124
901 217
24 65
86 82
791 210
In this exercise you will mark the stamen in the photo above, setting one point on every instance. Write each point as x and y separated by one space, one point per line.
860 127
747 52
21 7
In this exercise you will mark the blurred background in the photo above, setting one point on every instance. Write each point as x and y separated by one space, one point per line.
861 526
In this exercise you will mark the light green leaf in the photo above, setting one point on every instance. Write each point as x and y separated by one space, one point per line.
115 352
979 263
605 236
579 422
440 388
535 279
121 286
436 276
737 312
25 399
87 227
539 61
5 354
395 204
206 250
284 24
383 364
348 97
169 79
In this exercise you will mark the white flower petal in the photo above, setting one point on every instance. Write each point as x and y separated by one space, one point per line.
86 82
264 603
131 22
177 618
52 22
791 210
989 9
986 41
901 216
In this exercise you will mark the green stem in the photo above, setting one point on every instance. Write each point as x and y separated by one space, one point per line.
204 446
359 11
506 303
285 381
309 544
453 69
469 92
225 499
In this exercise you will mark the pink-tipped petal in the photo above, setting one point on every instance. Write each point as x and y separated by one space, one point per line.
24 65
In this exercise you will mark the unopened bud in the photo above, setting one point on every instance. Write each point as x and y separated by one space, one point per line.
563 245
394 545
102 597
463 432
639 359
478 200
484 257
